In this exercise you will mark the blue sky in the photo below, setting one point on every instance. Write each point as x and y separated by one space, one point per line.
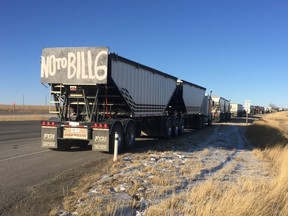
237 49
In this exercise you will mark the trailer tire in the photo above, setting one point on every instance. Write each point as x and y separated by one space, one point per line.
199 122
175 128
130 134
209 122
116 128
181 126
168 128
221 118
202 122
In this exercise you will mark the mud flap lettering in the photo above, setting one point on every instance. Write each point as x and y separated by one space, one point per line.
100 138
49 138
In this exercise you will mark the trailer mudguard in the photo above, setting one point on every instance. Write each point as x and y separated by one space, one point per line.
100 139
49 137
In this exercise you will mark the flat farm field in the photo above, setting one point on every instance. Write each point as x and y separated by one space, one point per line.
23 112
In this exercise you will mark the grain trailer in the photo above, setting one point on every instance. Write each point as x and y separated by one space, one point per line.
220 109
96 95
237 110
196 105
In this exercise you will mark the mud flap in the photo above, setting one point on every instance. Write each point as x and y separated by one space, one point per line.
100 140
49 137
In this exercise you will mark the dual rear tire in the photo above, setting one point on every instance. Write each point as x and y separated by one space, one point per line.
126 135
174 127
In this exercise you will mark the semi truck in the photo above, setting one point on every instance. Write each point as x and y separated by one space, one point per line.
206 109
220 109
98 95
237 110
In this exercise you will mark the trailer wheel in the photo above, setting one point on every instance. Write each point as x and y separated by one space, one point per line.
116 128
199 122
221 118
129 136
202 124
175 128
168 128
210 121
181 126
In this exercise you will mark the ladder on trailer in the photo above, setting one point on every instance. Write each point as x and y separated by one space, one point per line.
55 101
81 99
66 101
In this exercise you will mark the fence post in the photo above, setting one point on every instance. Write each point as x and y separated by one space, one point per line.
116 146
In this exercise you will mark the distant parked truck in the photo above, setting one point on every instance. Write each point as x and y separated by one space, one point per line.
220 109
206 109
257 110
97 94
195 116
237 110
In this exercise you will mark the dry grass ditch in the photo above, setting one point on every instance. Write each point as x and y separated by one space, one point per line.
208 172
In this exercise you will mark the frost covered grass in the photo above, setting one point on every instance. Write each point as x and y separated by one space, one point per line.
245 196
201 179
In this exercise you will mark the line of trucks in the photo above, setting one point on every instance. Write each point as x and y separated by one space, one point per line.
97 94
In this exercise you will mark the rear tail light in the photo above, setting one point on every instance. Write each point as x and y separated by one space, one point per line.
100 125
49 123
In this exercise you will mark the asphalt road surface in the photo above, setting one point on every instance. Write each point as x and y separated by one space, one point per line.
33 179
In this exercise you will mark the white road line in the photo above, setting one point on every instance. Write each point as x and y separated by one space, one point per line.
24 155
19 140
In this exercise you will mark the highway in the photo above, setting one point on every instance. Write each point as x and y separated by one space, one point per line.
32 178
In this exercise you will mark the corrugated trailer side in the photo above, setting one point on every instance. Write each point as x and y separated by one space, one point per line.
236 109
147 91
193 96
